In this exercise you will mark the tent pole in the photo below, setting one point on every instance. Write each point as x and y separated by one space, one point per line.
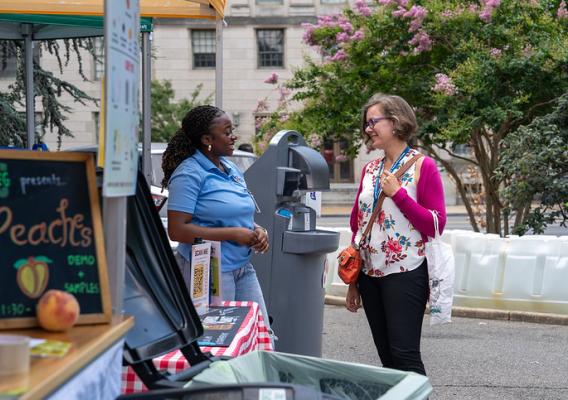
219 63
146 105
29 84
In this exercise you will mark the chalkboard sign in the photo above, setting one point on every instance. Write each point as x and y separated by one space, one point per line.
50 235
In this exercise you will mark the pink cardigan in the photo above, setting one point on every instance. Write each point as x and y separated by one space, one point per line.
430 196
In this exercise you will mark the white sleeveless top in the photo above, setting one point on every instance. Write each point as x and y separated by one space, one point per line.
395 245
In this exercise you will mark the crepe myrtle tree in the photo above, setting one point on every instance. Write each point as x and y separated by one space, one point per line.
47 87
475 71
534 164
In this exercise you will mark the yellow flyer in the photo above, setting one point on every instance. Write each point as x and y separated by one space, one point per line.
199 277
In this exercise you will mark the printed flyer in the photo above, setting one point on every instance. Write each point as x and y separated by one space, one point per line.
199 277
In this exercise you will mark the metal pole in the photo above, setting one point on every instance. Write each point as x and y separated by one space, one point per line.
114 222
29 84
219 63
146 106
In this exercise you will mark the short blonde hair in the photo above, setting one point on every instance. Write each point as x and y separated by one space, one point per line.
396 109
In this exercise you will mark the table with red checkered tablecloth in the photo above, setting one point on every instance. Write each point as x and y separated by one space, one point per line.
252 335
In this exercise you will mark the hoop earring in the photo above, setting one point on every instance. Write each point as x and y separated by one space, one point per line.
209 148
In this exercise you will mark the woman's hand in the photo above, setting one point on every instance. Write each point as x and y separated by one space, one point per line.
244 236
389 183
261 245
353 298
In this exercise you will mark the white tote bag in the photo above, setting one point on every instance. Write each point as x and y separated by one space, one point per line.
441 274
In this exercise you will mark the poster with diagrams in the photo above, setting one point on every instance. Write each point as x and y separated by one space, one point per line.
122 70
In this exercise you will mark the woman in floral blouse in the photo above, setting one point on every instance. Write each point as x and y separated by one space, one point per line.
393 286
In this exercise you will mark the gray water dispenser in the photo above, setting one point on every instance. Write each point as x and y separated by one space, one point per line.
291 273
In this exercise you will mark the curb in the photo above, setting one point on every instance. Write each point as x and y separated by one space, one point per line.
486 313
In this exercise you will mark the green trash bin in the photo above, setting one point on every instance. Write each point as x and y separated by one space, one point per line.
342 379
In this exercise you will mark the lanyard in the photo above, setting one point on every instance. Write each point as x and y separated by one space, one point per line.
394 167
237 179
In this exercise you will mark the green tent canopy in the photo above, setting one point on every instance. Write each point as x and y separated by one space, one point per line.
51 27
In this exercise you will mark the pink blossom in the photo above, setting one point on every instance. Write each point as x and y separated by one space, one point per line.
562 12
488 7
421 41
528 50
272 78
399 12
342 37
284 93
363 8
447 13
495 52
341 158
386 2
358 35
339 56
346 27
444 85
284 118
308 36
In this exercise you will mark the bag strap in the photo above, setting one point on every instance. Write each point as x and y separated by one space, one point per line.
436 225
382 197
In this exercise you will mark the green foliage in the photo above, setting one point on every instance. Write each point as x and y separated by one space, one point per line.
534 161
472 78
167 115
47 87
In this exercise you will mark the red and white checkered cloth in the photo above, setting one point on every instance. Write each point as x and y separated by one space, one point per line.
252 335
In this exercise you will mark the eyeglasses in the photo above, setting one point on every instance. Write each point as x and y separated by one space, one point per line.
373 121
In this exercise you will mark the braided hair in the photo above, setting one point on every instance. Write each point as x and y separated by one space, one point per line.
187 140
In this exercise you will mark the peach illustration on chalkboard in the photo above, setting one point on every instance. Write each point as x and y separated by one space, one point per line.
33 275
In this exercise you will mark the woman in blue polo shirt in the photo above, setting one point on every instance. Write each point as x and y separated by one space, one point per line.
209 199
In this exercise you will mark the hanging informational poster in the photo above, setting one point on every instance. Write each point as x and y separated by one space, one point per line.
122 77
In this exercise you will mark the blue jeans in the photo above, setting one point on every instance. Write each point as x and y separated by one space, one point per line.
242 285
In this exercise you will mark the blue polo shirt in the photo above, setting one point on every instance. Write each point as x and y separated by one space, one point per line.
215 199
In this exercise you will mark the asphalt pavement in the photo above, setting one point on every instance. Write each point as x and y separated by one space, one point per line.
469 358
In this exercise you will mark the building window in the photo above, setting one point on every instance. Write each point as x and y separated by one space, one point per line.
340 166
261 2
204 47
270 47
332 1
99 59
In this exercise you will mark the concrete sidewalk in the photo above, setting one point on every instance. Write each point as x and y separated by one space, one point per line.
342 210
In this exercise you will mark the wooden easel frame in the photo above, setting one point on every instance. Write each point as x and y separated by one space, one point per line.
87 159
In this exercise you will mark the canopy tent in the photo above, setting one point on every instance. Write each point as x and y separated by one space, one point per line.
59 19
211 9
52 27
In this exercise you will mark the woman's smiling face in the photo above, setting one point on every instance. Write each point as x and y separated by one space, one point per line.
222 137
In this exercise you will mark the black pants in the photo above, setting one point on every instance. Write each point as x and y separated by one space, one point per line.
394 306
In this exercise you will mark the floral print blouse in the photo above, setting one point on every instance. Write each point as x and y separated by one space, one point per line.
394 245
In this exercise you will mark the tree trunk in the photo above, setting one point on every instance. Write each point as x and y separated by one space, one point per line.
461 189
486 153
